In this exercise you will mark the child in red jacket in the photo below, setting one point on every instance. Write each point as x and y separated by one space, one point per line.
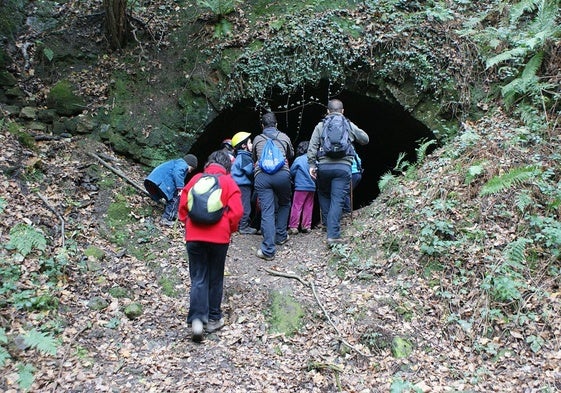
207 245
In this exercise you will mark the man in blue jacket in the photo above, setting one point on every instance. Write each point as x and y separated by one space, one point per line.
166 180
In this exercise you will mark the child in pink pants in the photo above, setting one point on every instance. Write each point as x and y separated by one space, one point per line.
304 190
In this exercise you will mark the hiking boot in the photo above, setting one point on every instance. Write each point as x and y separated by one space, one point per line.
292 231
306 230
332 241
280 243
166 222
263 256
248 231
197 330
214 325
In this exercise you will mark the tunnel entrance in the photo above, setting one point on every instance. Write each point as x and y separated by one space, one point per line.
391 128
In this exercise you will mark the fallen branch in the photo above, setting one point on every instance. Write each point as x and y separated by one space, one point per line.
320 304
56 383
51 208
121 174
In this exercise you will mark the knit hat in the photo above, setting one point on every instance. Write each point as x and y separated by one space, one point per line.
191 160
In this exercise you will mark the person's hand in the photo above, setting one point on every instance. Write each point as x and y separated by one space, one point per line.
313 173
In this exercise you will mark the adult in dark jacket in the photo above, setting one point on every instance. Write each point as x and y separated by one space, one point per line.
166 180
333 174
273 190
207 245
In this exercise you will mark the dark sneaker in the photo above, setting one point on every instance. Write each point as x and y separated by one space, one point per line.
306 230
283 241
197 330
263 256
214 325
248 231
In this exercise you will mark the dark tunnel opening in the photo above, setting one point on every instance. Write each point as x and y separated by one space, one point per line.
391 128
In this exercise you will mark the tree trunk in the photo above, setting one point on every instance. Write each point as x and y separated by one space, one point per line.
116 23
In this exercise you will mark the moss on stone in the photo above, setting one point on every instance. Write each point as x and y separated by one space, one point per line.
285 313
94 252
133 310
63 99
119 292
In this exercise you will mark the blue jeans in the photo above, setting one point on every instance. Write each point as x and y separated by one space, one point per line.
206 269
333 183
172 206
274 193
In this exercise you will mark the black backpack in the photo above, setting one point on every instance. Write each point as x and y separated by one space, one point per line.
204 200
335 142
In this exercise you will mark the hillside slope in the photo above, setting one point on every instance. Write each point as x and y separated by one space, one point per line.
383 287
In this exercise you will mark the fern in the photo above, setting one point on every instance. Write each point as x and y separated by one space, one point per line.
43 342
515 176
219 8
506 56
515 253
25 238
523 200
527 83
401 165
386 180
519 9
473 172
4 355
25 376
422 150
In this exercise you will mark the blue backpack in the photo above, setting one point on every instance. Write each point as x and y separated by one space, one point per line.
272 159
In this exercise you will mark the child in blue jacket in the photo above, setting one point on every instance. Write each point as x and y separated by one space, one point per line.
304 190
242 173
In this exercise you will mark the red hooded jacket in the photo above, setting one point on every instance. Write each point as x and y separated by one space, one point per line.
220 232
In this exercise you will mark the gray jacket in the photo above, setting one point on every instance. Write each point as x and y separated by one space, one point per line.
355 135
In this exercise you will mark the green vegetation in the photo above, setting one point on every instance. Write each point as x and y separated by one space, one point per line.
64 100
285 314
28 244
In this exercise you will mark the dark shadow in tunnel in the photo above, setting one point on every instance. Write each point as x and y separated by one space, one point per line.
391 128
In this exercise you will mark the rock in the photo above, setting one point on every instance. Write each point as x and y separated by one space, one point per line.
401 347
64 101
133 310
28 112
98 303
